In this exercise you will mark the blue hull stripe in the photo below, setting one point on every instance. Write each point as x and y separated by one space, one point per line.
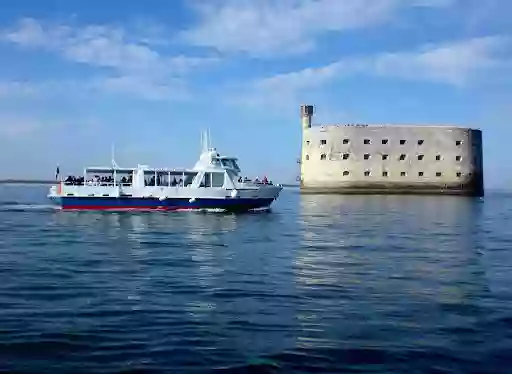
111 203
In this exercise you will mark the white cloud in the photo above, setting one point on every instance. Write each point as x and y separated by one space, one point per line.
267 27
146 88
108 47
451 63
458 63
15 88
16 128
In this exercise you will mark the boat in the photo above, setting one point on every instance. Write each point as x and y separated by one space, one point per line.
214 183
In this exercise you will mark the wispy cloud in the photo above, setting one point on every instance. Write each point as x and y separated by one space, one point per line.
17 89
14 128
19 127
457 63
268 27
127 58
148 89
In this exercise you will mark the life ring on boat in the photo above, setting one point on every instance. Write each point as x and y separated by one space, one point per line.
192 200
234 193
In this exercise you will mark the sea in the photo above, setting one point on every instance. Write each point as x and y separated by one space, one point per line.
318 284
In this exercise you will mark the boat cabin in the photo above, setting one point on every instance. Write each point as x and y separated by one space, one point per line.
210 171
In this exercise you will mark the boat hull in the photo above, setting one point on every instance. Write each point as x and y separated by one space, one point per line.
151 203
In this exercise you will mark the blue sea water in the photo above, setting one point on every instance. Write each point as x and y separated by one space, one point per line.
321 284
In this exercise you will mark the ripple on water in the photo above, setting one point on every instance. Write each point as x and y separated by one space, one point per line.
320 284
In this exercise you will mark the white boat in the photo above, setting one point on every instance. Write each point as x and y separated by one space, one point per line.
213 183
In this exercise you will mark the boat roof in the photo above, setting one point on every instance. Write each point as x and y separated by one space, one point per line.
103 169
100 169
210 160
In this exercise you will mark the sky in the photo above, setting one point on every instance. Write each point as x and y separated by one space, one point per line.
78 76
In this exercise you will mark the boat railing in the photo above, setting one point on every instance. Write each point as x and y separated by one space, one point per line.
251 183
97 184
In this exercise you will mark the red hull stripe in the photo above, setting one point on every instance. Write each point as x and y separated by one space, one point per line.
99 207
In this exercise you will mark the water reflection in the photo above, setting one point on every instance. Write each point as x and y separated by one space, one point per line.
424 249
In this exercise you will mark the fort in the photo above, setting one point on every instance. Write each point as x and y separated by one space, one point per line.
390 159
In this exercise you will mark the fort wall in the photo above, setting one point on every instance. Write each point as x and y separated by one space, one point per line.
390 159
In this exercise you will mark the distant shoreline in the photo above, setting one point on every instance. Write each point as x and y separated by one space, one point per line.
26 181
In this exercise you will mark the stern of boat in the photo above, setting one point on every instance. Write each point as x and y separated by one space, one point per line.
55 193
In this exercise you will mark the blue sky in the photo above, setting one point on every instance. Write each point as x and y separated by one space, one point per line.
76 76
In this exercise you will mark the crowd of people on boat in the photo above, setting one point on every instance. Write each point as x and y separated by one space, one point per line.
256 180
96 180
162 182
109 180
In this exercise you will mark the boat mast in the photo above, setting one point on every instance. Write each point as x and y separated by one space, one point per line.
114 163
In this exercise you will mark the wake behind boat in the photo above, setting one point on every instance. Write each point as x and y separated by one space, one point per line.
213 183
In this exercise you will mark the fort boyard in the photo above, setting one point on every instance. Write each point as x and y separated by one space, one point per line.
390 159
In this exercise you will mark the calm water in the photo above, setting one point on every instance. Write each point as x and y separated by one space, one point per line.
326 284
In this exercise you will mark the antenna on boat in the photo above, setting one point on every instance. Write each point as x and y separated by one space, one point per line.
204 141
112 151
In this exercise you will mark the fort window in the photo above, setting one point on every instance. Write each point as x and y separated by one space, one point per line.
384 141
402 142
459 174
420 174
420 142
438 158
323 156
402 157
307 157
307 142
403 174
323 142
367 173
366 156
457 158
420 157
345 156
367 141
384 173
385 157
438 174
458 142
345 141
345 173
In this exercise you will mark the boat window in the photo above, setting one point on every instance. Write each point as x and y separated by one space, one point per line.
227 163
230 163
215 162
217 179
162 179
189 177
231 175
207 180
149 178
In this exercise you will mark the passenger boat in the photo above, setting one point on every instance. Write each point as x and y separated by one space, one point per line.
213 183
